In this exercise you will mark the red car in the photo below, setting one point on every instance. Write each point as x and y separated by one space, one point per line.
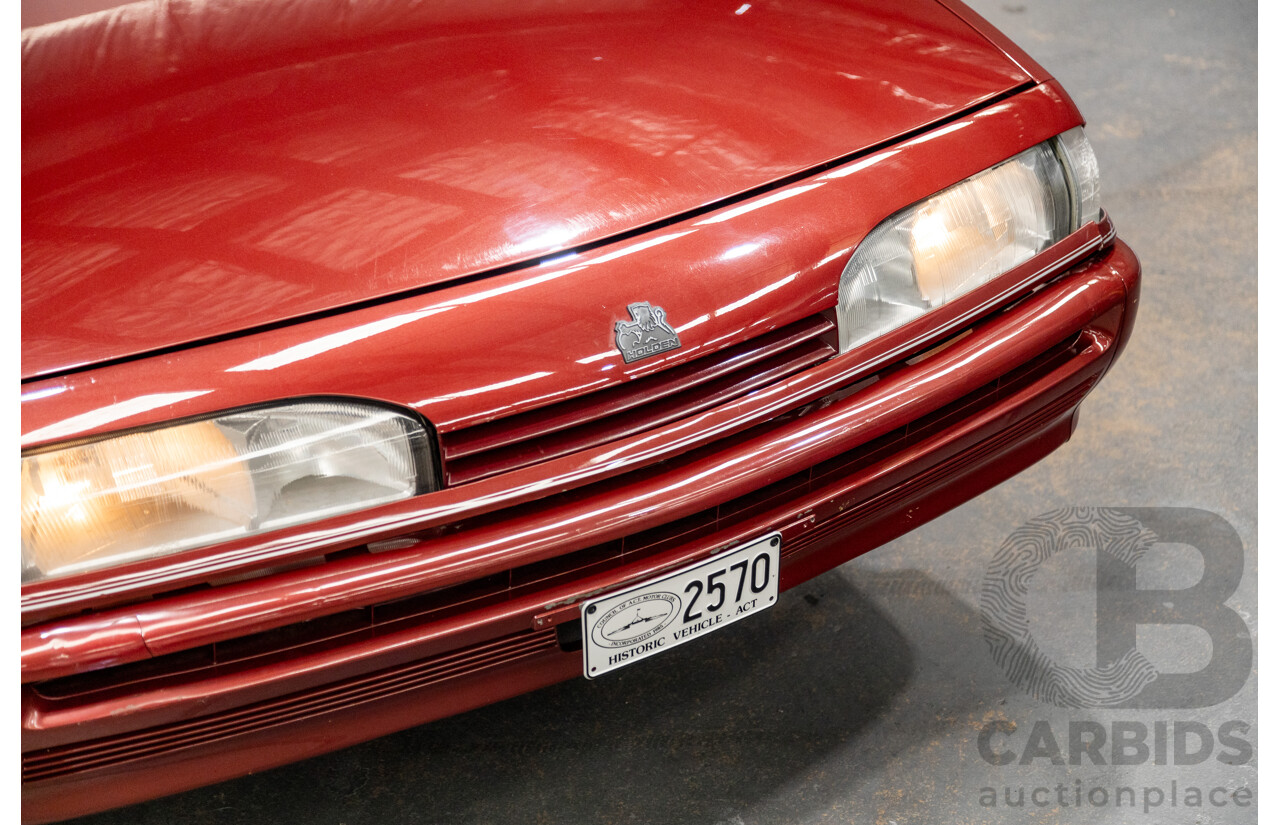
383 361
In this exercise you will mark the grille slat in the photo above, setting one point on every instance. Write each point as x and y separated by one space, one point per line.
520 440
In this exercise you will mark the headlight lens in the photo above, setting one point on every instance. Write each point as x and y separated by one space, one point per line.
160 491
966 235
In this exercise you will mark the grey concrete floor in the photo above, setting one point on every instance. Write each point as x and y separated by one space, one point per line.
860 697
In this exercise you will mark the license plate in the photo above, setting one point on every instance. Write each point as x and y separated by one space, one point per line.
687 604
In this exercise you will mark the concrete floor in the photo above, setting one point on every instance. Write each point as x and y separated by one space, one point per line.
860 697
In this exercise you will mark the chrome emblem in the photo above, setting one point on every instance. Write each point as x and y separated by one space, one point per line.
646 334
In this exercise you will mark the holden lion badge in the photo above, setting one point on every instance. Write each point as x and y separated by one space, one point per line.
647 333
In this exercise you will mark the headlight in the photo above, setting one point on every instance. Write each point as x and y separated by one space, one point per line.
966 235
159 491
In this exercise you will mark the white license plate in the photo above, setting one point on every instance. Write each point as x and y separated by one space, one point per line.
681 606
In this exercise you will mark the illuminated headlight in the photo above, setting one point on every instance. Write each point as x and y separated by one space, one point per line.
172 488
966 235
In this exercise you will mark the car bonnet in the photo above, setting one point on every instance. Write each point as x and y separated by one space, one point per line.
197 170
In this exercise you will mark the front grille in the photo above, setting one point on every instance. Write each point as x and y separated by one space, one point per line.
380 619
600 417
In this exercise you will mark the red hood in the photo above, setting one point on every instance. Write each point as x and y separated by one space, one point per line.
225 166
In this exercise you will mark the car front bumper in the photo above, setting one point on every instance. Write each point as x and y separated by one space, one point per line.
354 650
